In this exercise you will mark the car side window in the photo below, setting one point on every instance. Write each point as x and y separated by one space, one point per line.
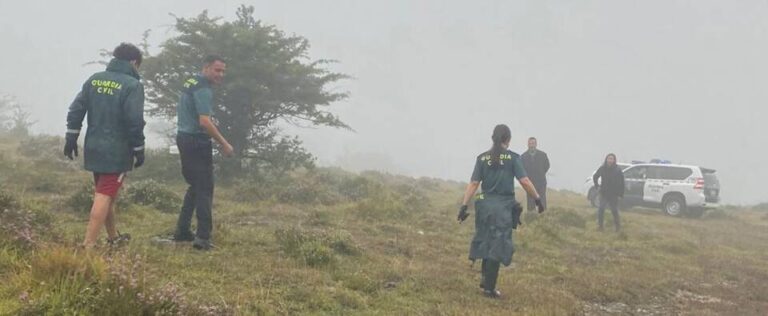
676 173
635 173
656 172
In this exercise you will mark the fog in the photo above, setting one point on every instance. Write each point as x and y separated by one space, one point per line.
678 80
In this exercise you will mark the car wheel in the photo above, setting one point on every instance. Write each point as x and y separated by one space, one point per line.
674 205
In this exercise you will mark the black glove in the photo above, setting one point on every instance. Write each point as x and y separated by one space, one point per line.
463 214
517 210
138 156
539 205
71 146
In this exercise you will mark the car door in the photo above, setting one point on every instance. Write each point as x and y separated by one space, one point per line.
634 184
656 184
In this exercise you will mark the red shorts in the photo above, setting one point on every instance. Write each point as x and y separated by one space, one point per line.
108 183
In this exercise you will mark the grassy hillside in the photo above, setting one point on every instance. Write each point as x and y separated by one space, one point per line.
326 241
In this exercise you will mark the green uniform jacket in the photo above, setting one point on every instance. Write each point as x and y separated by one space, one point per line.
495 218
114 102
496 211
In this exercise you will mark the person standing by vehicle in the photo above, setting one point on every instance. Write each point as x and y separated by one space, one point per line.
114 141
536 164
611 189
196 152
497 211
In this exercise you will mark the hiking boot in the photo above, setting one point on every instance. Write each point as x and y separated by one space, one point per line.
202 244
119 240
495 294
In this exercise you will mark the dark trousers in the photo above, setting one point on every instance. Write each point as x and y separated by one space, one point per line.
542 190
490 274
197 168
613 203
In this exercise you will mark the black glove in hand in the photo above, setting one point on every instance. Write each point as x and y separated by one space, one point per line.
539 206
71 146
463 214
138 156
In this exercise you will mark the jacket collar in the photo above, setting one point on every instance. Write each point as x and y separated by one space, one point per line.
123 67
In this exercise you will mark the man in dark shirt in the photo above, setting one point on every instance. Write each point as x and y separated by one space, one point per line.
536 164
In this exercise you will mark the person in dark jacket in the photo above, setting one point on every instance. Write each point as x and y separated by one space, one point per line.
496 209
611 189
114 141
536 164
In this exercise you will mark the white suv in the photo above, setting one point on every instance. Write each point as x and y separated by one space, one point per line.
676 189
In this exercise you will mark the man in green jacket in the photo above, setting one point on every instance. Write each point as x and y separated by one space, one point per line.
114 141
194 135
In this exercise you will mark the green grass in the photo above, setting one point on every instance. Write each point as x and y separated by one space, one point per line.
377 244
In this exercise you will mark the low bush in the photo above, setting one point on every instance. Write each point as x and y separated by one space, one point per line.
315 253
160 166
81 199
154 194
315 248
64 282
358 187
43 147
8 200
19 227
301 187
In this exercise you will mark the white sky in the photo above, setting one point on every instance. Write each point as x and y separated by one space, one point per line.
680 80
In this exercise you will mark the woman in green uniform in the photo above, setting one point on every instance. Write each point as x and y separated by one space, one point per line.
497 211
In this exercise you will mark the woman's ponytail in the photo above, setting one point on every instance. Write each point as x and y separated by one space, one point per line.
501 135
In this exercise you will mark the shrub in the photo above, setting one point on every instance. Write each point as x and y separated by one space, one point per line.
154 194
414 198
43 147
358 187
307 187
8 201
64 282
315 248
21 228
315 253
81 199
341 242
161 166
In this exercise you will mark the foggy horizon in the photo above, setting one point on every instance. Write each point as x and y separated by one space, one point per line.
676 80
